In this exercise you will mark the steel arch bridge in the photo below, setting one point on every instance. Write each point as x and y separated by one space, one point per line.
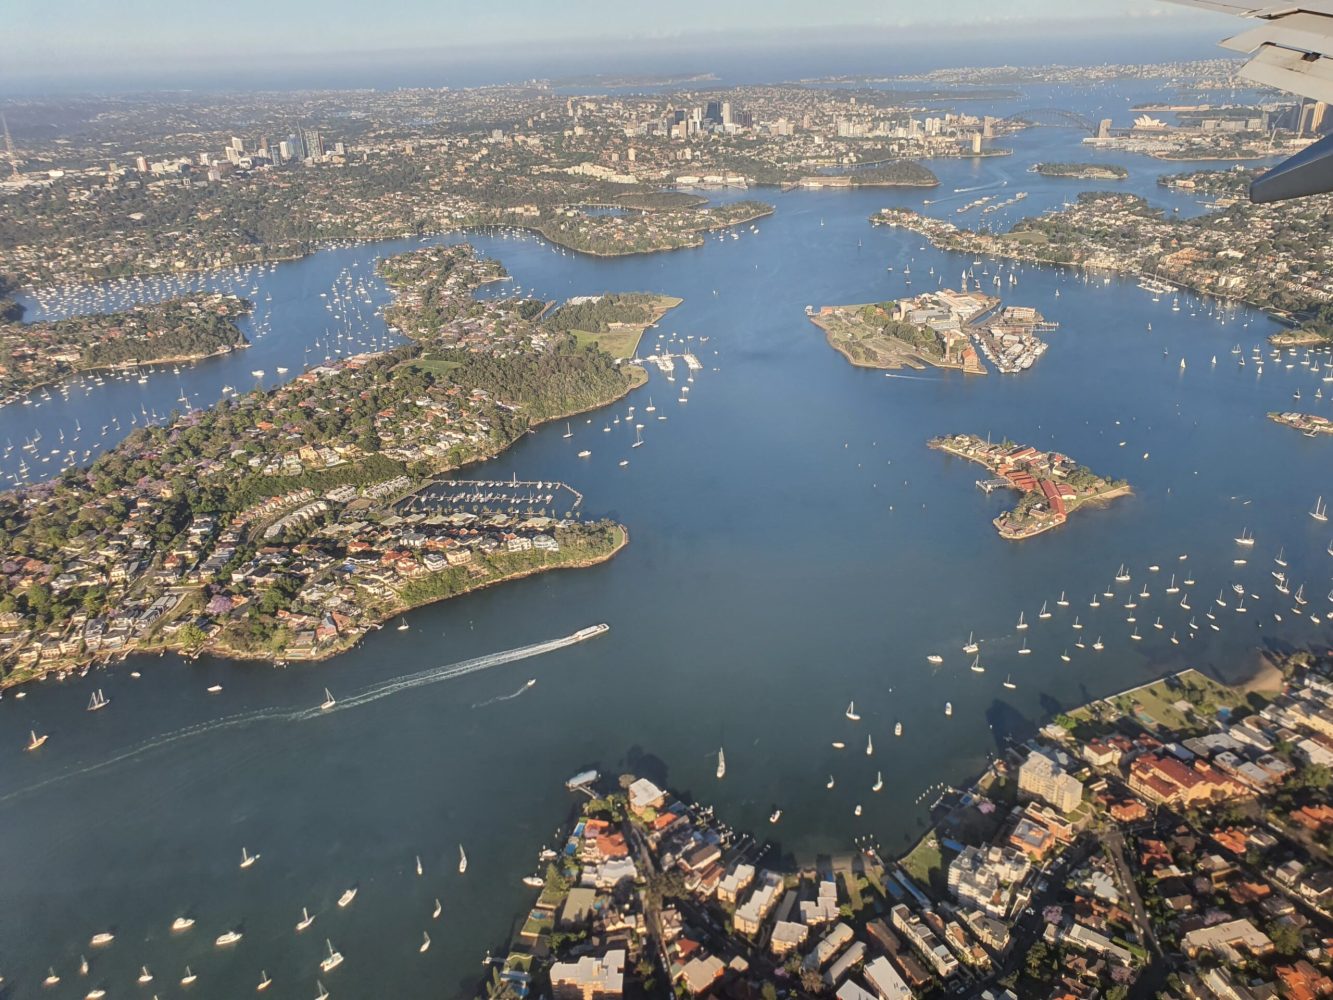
1052 118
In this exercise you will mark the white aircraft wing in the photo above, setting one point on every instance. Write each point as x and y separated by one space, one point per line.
1289 49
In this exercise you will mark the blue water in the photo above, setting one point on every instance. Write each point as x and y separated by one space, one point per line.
794 545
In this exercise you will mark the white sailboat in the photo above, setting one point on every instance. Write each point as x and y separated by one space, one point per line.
638 439
35 741
971 646
98 701
976 667
462 860
328 701
1043 613
1021 623
870 745
425 943
879 782
333 959
721 764
264 982
851 712
1009 682
247 859
1320 512
420 870
569 433
948 708
305 921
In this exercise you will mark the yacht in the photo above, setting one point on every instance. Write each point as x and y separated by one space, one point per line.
1245 538
1320 512
897 729
569 433
1280 559
1024 649
332 960
345 900
102 939
721 763
1098 645
247 859
323 994
182 924
51 978
1043 613
1094 603
402 625
1122 575
462 860
584 453
775 816
857 810
1172 588
305 921
230 937
839 745
948 708
934 658
328 701
971 646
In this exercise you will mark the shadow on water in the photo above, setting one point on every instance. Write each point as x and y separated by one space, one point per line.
1008 725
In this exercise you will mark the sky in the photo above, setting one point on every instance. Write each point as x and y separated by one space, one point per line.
144 39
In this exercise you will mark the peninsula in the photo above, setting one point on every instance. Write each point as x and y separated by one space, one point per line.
906 333
178 331
1170 835
1311 424
613 322
285 524
1052 485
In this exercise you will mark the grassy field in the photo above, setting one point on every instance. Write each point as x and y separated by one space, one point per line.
1156 703
925 863
617 343
435 365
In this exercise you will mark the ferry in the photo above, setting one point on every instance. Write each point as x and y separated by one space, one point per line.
590 632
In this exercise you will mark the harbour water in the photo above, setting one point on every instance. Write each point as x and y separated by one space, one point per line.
794 545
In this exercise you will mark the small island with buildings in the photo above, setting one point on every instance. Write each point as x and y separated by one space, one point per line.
1310 424
944 329
1052 485
1169 840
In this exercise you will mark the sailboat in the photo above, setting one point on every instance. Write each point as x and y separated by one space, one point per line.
1281 557
462 860
1122 575
638 438
1043 613
721 765
879 782
188 978
1320 512
305 921
1024 649
976 667
402 625
851 712
35 741
435 913
1245 537
971 646
333 959
425 942
420 870
1062 602
569 433
1065 656
650 407
98 701
323 994
1021 624
831 782
248 859
1008 682
870 745
264 982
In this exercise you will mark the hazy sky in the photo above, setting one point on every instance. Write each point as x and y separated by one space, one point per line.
133 35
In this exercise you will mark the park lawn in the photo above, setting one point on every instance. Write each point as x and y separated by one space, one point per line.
436 366
1157 701
617 343
925 863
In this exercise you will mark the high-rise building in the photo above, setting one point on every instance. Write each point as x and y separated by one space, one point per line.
713 112
238 144
726 112
141 164
1043 778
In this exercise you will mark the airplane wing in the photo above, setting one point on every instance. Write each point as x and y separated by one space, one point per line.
1290 50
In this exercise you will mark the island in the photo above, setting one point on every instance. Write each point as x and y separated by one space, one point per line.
285 524
643 231
177 331
936 328
1052 485
1082 171
1310 424
1079 862
896 173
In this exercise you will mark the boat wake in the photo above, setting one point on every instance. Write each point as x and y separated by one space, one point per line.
504 697
365 696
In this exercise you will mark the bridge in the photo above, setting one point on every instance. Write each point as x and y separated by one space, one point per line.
1052 118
